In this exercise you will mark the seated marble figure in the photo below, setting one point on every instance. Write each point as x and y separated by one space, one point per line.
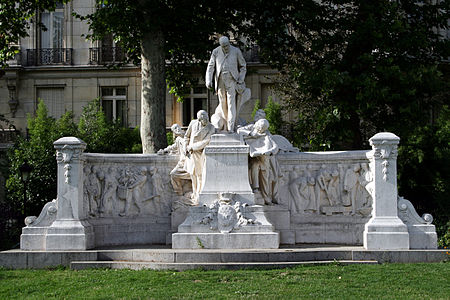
264 169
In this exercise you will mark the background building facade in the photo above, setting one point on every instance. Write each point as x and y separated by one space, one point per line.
66 71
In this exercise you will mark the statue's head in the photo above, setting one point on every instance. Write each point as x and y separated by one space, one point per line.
259 114
202 116
225 44
143 170
152 170
176 129
261 125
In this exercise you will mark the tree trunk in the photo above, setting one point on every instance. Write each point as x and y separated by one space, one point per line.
153 95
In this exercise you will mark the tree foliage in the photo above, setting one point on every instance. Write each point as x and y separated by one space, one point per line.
354 68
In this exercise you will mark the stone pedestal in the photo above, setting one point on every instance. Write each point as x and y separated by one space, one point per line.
203 229
226 169
226 216
385 230
70 230
33 236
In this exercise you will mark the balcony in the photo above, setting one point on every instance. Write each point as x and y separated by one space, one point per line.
49 56
8 136
106 55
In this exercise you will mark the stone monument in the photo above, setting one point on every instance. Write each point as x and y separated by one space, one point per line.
225 186
227 215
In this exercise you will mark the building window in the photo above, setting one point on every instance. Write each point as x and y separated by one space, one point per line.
52 35
114 104
192 103
54 100
50 46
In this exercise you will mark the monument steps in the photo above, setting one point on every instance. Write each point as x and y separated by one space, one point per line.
209 259
223 255
163 258
136 265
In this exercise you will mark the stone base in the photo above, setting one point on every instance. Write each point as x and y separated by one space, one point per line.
244 197
322 229
330 210
238 240
203 228
33 238
69 235
280 217
386 233
422 236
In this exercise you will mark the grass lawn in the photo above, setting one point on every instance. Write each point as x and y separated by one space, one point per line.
386 281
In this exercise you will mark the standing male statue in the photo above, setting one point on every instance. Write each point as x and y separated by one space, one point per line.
197 136
228 67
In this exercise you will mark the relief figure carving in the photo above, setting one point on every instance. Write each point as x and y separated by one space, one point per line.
351 186
130 188
92 190
332 189
109 196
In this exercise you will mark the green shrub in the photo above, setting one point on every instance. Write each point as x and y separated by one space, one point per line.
93 128
255 108
443 232
102 136
273 112
170 139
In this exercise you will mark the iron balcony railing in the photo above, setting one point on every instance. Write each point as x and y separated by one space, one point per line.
49 56
106 55
8 135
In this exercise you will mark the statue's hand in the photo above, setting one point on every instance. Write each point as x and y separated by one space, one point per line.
160 152
240 87
209 85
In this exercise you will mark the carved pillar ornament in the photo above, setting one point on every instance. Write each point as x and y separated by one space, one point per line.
70 230
70 185
12 83
12 102
385 230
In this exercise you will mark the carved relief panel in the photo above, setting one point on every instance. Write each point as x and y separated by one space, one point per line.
127 190
329 189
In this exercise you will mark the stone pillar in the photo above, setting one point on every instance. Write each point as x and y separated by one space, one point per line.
226 170
70 230
385 230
